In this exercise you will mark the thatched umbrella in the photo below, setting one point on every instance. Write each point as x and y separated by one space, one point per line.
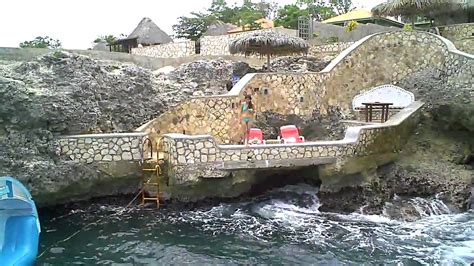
412 8
268 43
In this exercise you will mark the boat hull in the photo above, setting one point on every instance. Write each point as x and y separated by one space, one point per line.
19 224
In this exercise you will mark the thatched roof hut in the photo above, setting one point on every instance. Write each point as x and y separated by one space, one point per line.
148 33
219 28
413 8
268 43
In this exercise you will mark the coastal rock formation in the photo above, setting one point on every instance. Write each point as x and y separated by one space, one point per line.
298 64
313 127
436 161
63 94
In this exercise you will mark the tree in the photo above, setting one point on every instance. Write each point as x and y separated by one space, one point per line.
41 42
341 6
193 27
220 11
269 9
288 16
109 39
317 9
247 14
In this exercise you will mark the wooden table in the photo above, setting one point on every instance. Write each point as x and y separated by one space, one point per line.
369 107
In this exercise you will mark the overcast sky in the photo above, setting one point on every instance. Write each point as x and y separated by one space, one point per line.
76 23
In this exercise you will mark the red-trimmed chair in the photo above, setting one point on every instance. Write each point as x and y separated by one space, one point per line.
255 136
290 134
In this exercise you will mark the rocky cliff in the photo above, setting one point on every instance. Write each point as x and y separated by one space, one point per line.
436 161
63 93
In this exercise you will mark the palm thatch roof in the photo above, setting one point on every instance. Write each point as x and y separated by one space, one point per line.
412 8
219 28
148 33
268 43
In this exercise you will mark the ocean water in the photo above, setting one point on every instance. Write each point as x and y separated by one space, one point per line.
282 226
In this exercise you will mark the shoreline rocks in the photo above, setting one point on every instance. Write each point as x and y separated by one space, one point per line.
63 93
436 160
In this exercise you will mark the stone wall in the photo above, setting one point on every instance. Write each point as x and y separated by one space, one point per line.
168 50
219 45
328 32
91 148
375 60
322 50
462 35
460 70
220 115
153 63
193 157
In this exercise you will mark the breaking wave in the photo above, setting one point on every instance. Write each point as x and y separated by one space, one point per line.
282 226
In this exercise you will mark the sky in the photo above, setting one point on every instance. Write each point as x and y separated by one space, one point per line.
76 23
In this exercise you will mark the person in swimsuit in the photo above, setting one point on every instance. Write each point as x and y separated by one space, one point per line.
247 112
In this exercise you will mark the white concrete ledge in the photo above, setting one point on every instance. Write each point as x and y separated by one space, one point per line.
106 135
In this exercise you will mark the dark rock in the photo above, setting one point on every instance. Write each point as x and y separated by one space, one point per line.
314 127
298 64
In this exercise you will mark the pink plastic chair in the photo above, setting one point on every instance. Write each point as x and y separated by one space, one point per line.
255 136
290 134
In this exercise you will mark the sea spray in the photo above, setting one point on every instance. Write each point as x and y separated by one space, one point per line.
283 226
411 209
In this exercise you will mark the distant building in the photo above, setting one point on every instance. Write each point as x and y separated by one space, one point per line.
263 23
362 16
219 28
145 34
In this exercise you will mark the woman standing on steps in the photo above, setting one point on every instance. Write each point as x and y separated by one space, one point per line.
247 112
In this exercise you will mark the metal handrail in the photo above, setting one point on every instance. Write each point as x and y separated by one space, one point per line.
150 146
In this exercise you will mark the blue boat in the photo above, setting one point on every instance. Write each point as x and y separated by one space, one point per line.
19 224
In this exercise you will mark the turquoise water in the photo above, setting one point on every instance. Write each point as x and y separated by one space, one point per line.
282 226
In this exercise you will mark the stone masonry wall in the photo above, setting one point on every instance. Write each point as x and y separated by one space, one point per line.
376 60
460 72
219 45
194 157
381 59
168 50
220 116
462 35
210 46
91 148
321 50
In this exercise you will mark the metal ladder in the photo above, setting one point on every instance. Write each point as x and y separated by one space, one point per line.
152 180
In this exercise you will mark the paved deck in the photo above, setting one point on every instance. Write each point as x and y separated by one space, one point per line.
273 163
